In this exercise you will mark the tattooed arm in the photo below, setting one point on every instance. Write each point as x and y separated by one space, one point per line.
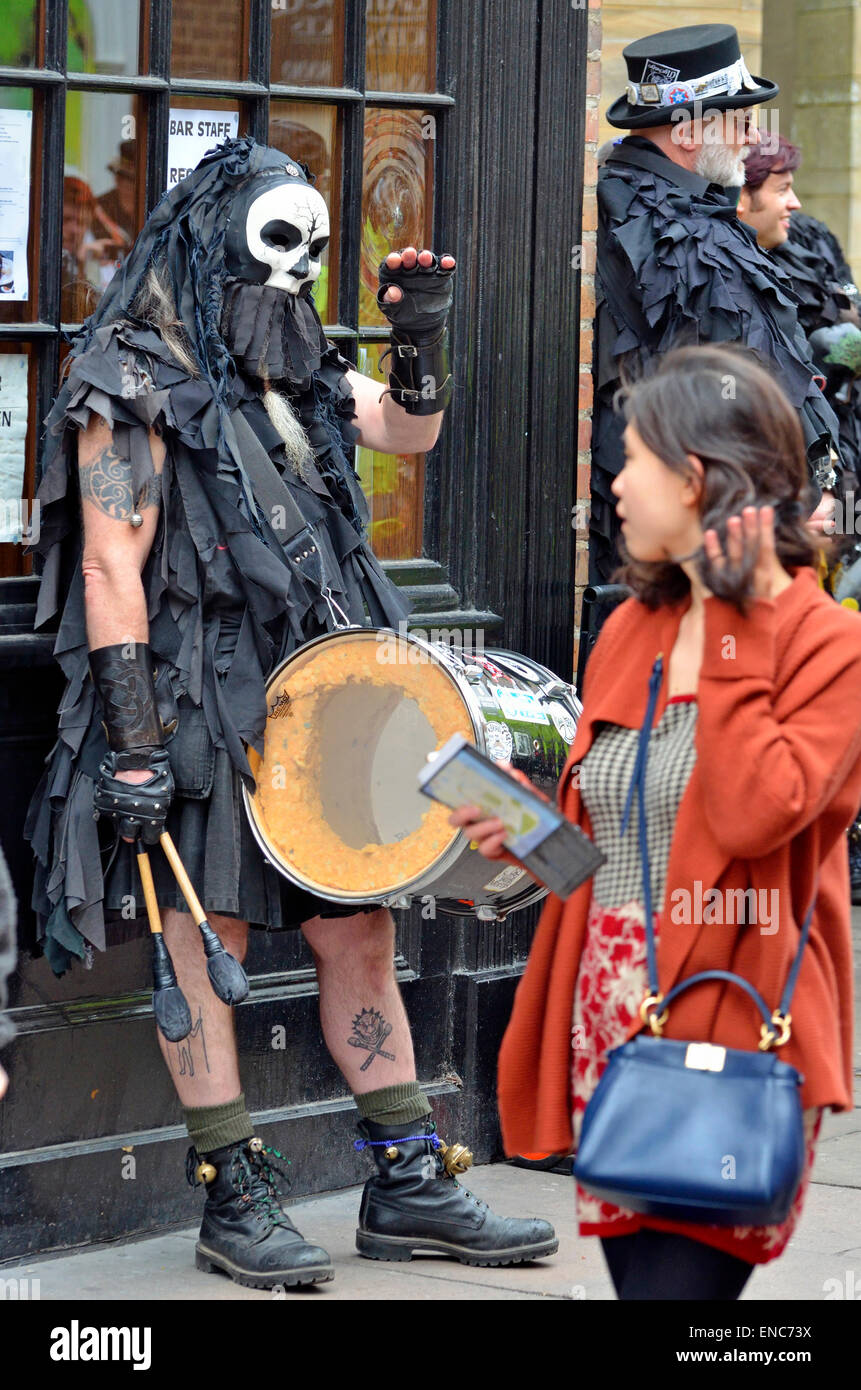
115 552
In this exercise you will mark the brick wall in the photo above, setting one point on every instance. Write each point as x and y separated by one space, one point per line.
587 311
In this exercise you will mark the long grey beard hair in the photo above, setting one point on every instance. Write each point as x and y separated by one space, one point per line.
284 418
720 164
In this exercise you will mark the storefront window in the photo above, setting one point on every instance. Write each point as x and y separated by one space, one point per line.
401 46
309 133
103 36
17 272
393 483
209 39
16 455
308 43
19 34
102 196
397 195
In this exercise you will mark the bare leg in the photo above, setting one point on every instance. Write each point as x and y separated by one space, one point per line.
361 1010
204 1067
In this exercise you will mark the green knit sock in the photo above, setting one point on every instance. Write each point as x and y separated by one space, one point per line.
212 1127
394 1105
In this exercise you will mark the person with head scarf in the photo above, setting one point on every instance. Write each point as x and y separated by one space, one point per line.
203 432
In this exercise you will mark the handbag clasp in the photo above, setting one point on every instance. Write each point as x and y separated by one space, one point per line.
705 1056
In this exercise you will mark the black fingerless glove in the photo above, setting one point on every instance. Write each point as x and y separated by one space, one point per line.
123 678
420 380
139 810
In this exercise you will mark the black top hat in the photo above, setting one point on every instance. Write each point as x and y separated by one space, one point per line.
678 68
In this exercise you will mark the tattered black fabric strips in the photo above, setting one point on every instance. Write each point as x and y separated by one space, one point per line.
227 598
676 267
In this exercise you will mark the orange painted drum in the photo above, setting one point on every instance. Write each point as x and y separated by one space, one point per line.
352 717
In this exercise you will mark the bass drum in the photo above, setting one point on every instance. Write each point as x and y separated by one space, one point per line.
352 716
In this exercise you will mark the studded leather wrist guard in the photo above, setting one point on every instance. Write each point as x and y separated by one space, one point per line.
123 677
420 380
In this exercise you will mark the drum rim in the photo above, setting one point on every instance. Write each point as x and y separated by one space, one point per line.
451 854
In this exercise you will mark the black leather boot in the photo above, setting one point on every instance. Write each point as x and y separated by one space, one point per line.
855 861
415 1203
245 1231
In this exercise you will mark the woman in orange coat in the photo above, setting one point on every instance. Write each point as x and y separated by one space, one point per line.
754 773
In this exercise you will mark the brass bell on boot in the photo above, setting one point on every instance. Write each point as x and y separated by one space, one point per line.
255 1145
204 1172
456 1158
392 1151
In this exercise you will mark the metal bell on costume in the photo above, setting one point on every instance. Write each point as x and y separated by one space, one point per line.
456 1158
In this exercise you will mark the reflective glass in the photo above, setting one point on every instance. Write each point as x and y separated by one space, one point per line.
103 182
309 133
308 43
18 522
401 46
393 483
397 195
19 35
103 36
209 39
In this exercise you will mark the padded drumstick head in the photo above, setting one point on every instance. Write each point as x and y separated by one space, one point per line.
228 979
172 1014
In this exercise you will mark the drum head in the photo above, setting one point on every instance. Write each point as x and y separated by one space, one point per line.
352 718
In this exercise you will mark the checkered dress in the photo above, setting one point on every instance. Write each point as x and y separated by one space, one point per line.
613 979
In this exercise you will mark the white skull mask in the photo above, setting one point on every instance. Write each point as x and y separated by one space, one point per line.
285 232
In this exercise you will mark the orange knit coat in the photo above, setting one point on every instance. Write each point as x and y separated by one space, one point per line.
777 780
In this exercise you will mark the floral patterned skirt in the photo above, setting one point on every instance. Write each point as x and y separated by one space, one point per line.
611 985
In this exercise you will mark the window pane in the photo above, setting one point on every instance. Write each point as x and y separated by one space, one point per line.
209 39
18 290
17 426
397 196
311 134
393 484
401 48
103 36
18 35
102 195
308 43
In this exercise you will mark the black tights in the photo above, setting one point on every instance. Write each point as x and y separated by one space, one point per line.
661 1265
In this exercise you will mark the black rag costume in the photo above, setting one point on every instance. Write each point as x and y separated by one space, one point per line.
229 592
826 291
676 267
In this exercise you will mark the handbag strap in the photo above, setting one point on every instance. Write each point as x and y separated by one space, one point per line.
638 784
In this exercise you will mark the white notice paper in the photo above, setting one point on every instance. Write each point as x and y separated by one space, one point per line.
13 437
191 134
15 132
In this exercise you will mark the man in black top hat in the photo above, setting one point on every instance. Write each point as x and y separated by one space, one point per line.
675 265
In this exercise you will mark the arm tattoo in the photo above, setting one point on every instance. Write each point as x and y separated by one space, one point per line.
107 483
370 1031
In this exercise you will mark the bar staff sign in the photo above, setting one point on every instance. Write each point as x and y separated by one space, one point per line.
191 135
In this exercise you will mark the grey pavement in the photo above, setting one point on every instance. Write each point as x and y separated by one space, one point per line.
821 1262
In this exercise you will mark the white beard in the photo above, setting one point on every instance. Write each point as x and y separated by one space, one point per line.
719 164
288 425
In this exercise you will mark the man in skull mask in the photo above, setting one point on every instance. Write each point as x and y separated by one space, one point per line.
204 424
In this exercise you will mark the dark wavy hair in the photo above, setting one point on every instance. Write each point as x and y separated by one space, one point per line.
724 406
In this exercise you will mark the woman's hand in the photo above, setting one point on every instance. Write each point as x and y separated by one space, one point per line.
488 835
752 532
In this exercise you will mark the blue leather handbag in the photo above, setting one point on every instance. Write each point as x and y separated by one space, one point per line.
692 1131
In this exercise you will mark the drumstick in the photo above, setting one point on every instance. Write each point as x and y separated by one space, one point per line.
170 1006
229 981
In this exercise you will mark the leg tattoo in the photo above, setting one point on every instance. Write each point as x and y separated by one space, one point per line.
370 1031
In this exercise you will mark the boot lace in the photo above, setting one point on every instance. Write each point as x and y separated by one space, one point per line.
254 1178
